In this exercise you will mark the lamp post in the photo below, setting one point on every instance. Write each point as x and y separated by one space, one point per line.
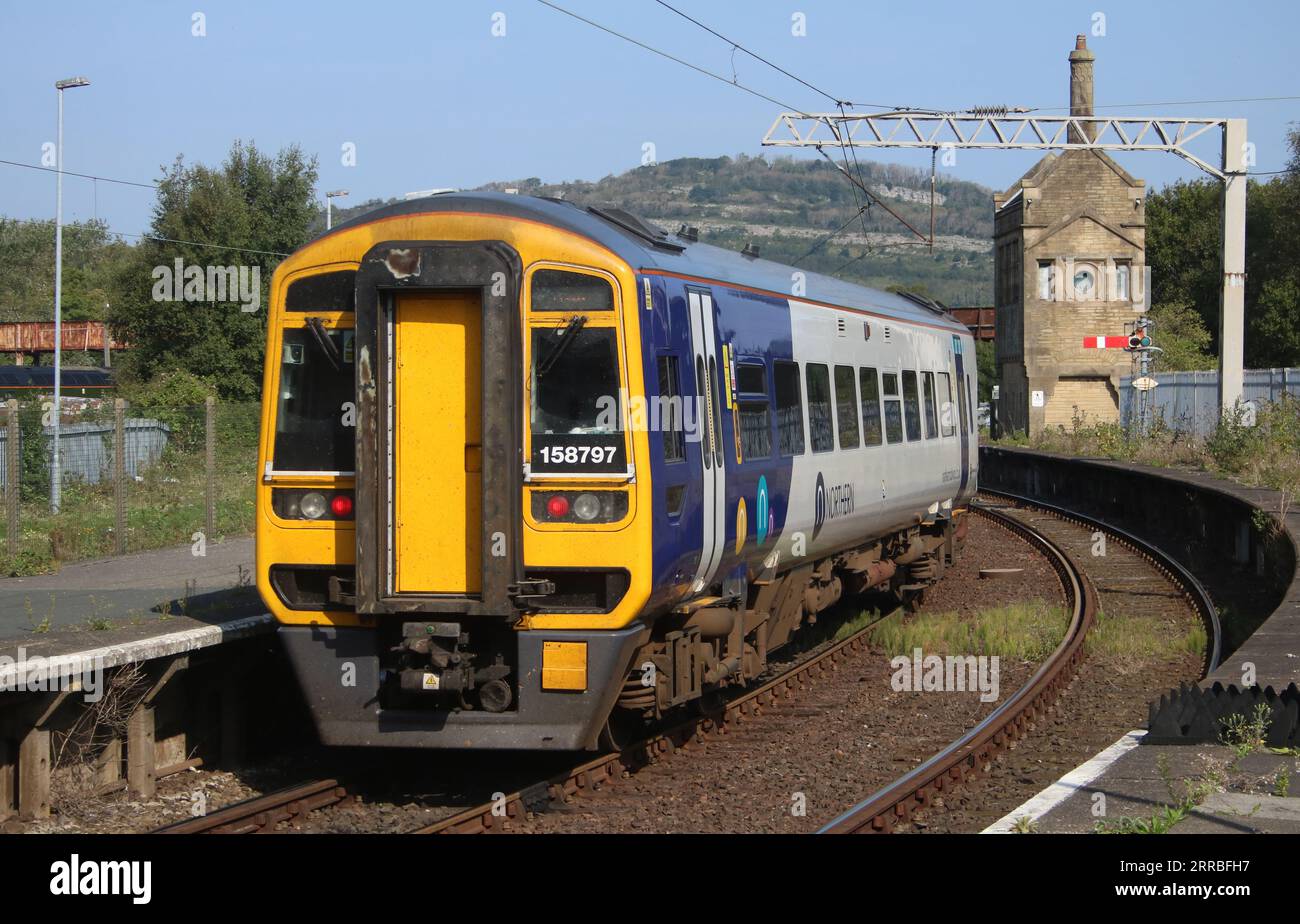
56 473
329 202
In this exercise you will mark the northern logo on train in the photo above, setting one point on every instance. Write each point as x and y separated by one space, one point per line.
762 515
819 506
832 502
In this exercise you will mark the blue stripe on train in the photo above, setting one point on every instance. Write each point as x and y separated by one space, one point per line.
756 327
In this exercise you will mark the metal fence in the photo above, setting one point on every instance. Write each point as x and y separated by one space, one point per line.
131 477
1189 401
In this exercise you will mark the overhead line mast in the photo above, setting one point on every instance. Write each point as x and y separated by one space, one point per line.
1024 132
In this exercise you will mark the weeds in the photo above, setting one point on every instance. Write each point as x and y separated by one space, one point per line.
81 747
1024 825
1245 734
1282 783
1184 794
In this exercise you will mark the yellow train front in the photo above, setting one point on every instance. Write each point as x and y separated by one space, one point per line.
394 521
525 466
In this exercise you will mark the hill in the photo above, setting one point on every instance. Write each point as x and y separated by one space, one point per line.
787 206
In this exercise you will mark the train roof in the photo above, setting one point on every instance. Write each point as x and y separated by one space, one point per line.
646 247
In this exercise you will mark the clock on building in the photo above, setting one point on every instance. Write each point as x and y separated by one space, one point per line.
1085 282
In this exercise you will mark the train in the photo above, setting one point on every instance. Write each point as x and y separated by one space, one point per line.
533 475
77 382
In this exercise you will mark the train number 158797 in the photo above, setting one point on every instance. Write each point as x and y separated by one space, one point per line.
577 455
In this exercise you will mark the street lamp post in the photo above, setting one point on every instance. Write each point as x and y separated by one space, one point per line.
56 472
329 202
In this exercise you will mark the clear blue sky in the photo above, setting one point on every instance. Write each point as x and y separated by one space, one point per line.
430 98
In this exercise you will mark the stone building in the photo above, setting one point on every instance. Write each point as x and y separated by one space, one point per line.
1069 252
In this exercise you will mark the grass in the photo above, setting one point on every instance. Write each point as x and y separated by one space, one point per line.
1139 637
166 502
1027 631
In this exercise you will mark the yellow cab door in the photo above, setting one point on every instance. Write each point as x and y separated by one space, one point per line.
437 442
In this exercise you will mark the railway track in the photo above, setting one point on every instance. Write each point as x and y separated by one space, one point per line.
971 754
975 751
264 813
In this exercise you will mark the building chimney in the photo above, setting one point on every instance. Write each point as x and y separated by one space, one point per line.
1081 86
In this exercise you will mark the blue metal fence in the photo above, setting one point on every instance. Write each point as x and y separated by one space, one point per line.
86 449
1189 401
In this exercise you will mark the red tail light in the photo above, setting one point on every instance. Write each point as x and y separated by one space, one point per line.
558 506
341 505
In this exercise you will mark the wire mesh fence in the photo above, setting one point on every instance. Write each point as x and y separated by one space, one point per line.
132 477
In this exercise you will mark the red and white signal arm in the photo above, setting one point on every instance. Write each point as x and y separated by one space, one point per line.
1105 343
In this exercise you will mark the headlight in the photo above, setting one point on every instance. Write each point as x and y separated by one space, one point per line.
312 505
586 506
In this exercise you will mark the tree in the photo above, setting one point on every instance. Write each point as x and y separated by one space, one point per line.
1184 251
90 260
986 369
1183 338
249 212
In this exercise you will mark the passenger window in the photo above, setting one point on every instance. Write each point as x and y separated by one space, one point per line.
946 410
754 412
846 407
789 408
755 430
911 406
819 408
893 407
670 410
870 385
927 391
751 379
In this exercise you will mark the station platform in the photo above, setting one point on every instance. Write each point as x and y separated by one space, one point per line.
130 608
1248 562
123 590
1130 784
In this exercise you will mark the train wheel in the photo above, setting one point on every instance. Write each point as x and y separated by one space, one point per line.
621 729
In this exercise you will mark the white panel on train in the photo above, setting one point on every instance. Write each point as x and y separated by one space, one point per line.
868 490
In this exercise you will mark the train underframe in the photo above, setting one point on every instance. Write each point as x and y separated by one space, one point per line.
371 686
708 645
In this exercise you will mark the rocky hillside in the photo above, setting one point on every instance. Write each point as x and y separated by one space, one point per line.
786 206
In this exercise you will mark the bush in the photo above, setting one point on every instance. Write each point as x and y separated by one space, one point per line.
35 459
176 398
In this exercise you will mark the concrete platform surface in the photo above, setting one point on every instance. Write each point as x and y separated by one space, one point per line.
1134 783
127 590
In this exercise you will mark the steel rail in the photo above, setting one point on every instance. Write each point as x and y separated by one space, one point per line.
1193 590
974 751
491 816
262 813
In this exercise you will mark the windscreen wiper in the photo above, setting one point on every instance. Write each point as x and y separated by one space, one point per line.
576 323
323 341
